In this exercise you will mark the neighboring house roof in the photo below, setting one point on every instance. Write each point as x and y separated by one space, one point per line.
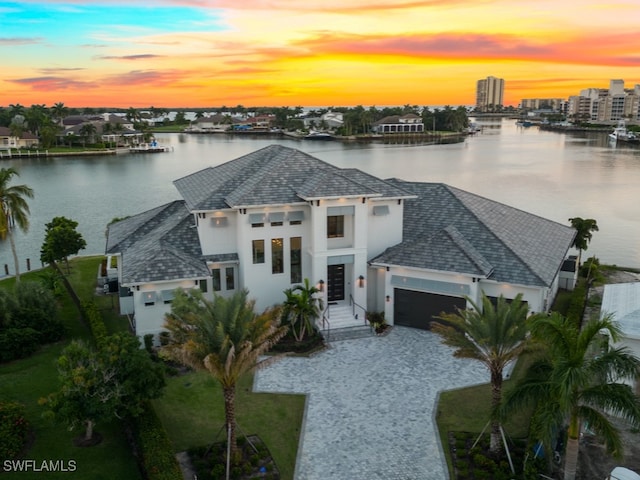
276 175
399 119
159 244
448 229
6 132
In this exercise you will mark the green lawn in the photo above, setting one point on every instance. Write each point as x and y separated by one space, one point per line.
191 408
192 412
31 378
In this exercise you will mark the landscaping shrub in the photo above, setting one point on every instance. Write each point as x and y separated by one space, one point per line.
96 322
14 429
155 452
18 343
28 317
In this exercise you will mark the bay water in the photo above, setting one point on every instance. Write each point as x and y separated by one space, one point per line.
551 174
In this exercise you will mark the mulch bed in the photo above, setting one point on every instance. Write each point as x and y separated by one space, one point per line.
476 462
210 461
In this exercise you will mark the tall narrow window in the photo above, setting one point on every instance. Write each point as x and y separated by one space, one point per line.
215 277
335 226
277 259
296 259
231 279
258 251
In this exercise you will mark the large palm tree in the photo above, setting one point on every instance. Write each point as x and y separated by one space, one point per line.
14 210
492 335
226 338
577 379
301 308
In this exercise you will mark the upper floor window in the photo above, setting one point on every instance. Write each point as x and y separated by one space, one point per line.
335 226
258 251
277 260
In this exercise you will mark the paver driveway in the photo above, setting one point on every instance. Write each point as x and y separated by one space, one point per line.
370 405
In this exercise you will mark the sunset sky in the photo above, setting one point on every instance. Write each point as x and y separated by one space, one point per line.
209 53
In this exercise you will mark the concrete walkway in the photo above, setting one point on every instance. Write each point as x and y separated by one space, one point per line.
370 405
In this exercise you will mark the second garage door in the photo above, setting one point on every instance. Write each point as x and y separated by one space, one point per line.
417 309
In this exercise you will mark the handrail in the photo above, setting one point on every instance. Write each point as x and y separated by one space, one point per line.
353 309
325 320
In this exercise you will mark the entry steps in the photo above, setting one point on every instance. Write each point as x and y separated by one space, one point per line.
343 325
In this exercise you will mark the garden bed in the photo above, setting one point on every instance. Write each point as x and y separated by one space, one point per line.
256 463
477 463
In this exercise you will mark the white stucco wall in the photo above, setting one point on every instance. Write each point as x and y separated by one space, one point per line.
150 318
533 296
383 231
263 285
218 238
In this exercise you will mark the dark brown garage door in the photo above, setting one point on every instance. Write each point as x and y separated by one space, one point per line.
417 309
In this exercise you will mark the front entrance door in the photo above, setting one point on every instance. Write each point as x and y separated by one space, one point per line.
335 288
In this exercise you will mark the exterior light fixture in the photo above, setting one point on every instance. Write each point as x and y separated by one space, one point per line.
321 285
388 298
361 281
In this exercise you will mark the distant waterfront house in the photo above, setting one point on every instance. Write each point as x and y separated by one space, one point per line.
269 219
214 123
409 123
9 141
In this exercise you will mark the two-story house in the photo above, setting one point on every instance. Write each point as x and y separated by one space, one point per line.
269 219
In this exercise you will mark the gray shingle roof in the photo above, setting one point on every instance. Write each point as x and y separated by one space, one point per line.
156 245
275 175
456 231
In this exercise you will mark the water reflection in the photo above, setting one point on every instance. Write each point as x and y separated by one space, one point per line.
556 175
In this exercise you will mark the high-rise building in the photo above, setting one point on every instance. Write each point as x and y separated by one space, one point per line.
606 105
489 94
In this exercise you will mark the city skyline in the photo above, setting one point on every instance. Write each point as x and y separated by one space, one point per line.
208 53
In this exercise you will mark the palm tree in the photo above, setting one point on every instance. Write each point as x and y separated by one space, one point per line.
492 335
301 308
59 111
224 337
584 227
14 210
87 131
577 379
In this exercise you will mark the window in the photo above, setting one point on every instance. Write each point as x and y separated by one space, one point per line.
258 251
277 259
257 219
231 279
215 277
276 219
203 285
149 298
335 226
296 217
296 259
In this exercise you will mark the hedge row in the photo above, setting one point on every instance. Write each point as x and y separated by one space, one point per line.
96 322
155 452
154 448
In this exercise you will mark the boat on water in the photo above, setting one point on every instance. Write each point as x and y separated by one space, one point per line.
620 133
318 136
524 123
151 147
473 128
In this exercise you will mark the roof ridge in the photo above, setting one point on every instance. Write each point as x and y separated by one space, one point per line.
452 190
465 245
